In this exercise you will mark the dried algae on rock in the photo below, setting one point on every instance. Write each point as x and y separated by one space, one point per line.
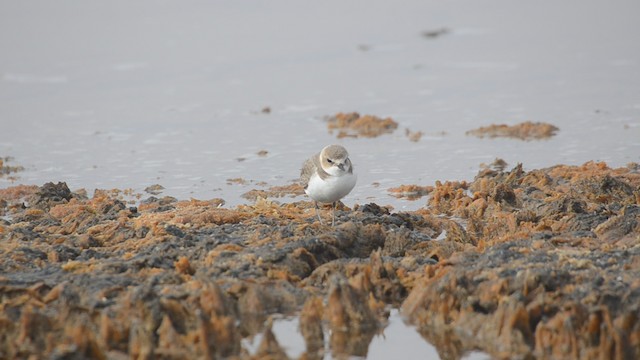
276 191
541 263
174 277
549 278
354 125
154 189
410 192
524 131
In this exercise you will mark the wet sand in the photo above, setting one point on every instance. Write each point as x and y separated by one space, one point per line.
540 263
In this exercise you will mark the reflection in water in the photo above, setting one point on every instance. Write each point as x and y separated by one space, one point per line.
350 343
387 343
333 344
448 345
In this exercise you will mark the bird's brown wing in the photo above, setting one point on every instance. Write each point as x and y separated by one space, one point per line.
308 168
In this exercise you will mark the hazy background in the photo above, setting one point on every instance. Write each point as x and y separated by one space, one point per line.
125 94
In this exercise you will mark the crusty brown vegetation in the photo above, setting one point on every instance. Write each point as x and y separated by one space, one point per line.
556 272
354 125
524 131
541 263
410 192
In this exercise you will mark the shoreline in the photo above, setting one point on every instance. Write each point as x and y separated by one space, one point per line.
500 264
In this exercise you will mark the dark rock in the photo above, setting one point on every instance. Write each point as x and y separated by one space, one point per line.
31 254
51 194
374 209
65 253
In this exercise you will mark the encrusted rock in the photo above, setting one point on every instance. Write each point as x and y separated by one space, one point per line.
538 263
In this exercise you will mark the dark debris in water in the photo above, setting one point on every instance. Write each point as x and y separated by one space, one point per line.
9 170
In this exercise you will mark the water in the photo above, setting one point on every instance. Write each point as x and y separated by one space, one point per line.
395 336
122 95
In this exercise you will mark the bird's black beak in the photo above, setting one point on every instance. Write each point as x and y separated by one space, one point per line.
341 166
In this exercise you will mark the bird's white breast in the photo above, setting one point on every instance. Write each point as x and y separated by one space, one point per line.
331 189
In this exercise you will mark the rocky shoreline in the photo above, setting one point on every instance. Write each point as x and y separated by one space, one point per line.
519 264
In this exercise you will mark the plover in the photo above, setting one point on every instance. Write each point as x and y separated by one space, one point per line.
328 177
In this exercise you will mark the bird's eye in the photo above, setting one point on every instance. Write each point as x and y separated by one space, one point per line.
330 161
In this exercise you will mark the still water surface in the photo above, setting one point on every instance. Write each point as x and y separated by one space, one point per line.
126 95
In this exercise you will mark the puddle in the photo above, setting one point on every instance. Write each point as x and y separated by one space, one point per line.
396 336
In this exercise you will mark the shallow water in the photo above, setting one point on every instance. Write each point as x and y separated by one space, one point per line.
396 335
100 96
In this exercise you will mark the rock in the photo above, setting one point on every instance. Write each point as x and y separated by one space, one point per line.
154 189
49 195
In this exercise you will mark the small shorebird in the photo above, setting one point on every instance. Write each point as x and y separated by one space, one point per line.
328 177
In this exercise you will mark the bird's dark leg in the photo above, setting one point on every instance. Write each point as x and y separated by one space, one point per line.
318 213
333 213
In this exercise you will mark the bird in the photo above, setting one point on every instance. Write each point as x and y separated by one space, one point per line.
328 177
